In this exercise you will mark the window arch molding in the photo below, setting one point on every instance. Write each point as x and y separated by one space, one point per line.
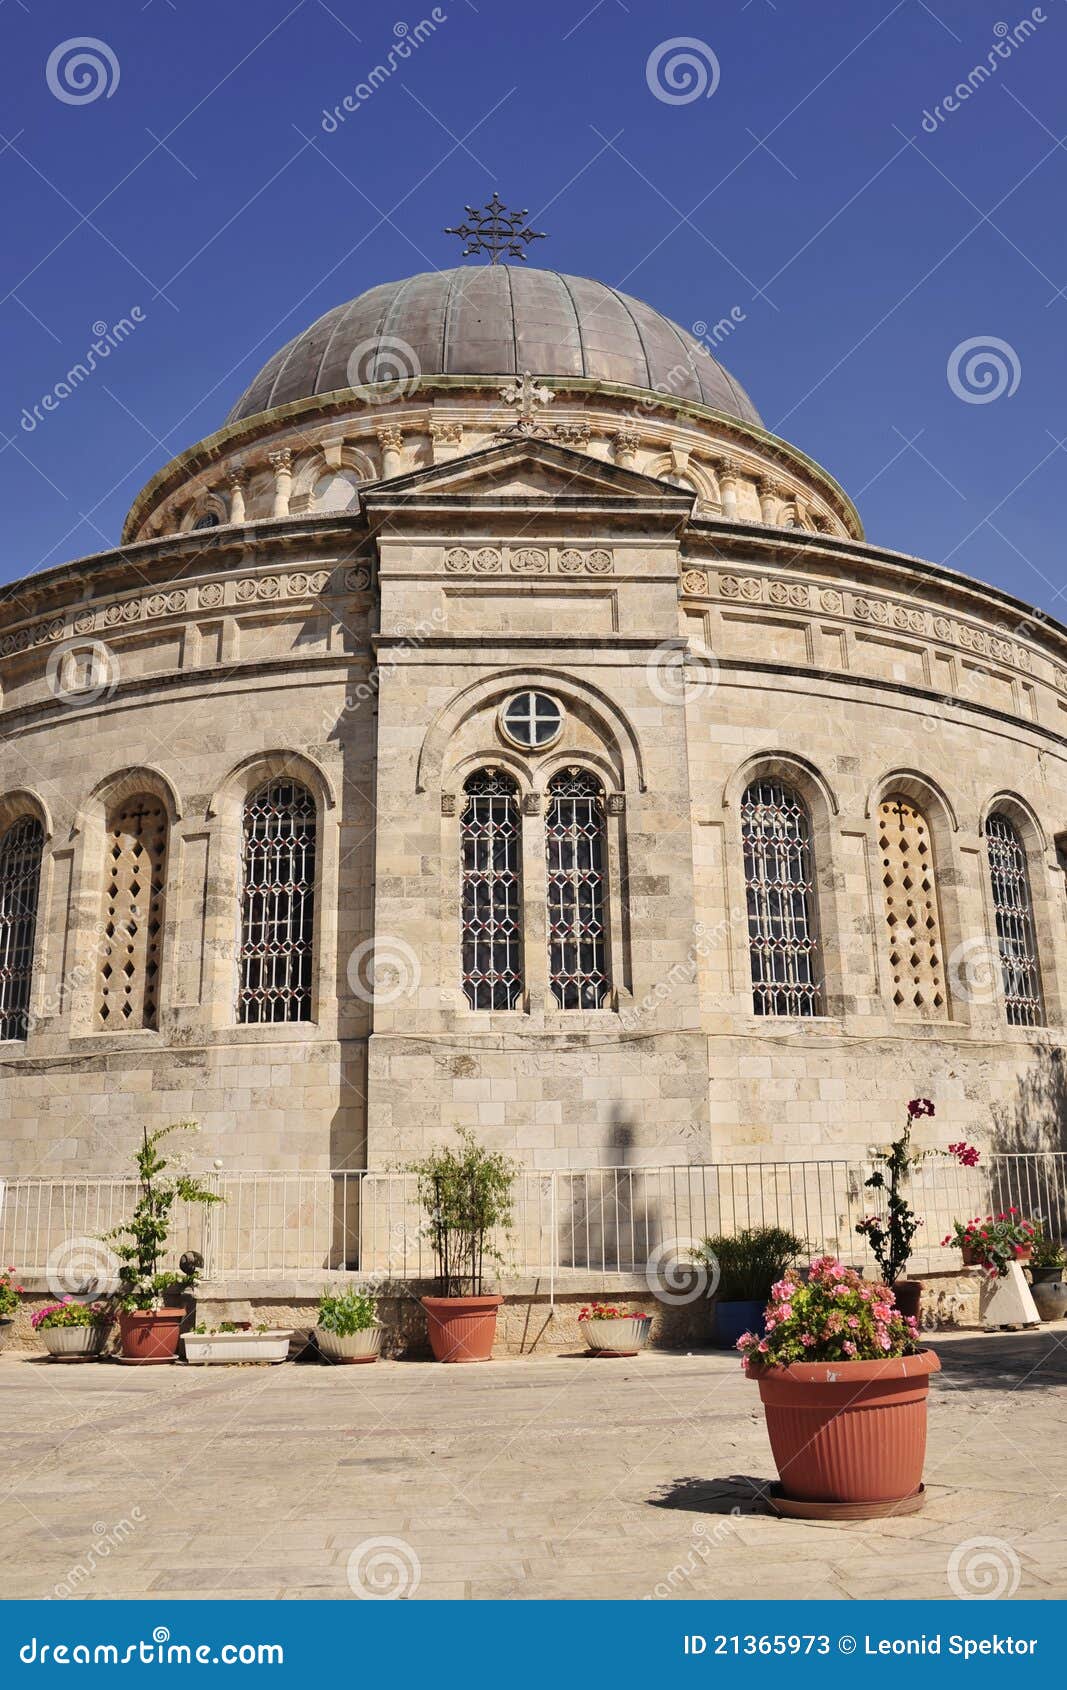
921 790
22 801
820 801
1045 893
608 720
225 883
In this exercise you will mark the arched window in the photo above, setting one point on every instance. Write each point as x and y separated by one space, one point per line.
277 904
127 993
20 878
779 883
577 891
913 925
491 897
1013 908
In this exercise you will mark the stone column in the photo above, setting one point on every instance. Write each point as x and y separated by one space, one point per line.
446 438
282 464
237 481
626 444
769 496
391 441
728 473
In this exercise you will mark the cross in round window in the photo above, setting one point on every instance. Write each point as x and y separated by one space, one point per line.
532 720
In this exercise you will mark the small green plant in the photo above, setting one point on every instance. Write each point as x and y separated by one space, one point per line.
744 1265
9 1295
203 1331
1046 1252
346 1312
141 1242
466 1194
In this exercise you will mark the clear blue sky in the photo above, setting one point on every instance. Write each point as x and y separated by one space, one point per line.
805 191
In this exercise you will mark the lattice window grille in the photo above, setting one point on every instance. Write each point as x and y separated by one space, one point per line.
577 891
132 940
277 905
913 926
20 876
491 901
779 882
1013 909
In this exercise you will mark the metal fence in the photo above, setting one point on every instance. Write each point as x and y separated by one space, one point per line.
613 1220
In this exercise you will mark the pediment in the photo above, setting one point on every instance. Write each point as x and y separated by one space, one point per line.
526 471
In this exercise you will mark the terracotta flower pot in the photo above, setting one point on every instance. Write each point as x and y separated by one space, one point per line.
461 1328
150 1334
848 1432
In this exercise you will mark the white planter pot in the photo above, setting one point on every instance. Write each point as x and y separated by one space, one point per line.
616 1337
357 1346
73 1340
203 1349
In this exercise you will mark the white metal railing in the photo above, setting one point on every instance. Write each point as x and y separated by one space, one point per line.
609 1220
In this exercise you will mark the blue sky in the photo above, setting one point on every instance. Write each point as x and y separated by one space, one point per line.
862 248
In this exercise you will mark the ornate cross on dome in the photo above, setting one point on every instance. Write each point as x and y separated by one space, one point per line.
496 230
525 393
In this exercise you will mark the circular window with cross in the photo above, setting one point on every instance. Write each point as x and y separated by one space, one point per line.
533 720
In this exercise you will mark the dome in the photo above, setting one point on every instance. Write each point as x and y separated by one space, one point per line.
494 320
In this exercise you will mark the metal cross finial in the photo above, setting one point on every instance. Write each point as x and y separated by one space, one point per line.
496 230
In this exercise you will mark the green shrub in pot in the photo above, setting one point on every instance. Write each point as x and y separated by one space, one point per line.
743 1266
348 1328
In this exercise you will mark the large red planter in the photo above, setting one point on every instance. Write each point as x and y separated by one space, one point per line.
848 1432
150 1334
461 1328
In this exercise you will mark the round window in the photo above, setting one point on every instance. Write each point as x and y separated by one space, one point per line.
210 520
532 720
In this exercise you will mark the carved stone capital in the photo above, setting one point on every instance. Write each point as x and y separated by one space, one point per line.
449 801
444 433
282 459
616 803
572 434
727 469
390 439
531 803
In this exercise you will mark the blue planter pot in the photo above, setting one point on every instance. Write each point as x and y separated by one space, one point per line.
731 1319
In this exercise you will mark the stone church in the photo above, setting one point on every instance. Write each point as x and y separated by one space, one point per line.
492 724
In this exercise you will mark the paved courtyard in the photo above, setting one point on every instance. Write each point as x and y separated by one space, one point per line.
562 1477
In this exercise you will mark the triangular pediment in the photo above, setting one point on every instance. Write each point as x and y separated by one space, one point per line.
524 471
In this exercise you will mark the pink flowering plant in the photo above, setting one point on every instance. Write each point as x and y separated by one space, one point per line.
609 1311
69 1313
835 1315
9 1294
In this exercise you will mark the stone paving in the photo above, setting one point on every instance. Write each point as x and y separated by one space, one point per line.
559 1477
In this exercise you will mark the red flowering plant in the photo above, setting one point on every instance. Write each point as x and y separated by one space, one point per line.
608 1311
890 1233
9 1295
69 1313
994 1243
835 1315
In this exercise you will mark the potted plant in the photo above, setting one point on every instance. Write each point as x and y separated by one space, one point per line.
610 1331
73 1331
743 1266
348 1327
9 1302
843 1379
151 1312
1047 1262
994 1243
890 1233
226 1343
466 1196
